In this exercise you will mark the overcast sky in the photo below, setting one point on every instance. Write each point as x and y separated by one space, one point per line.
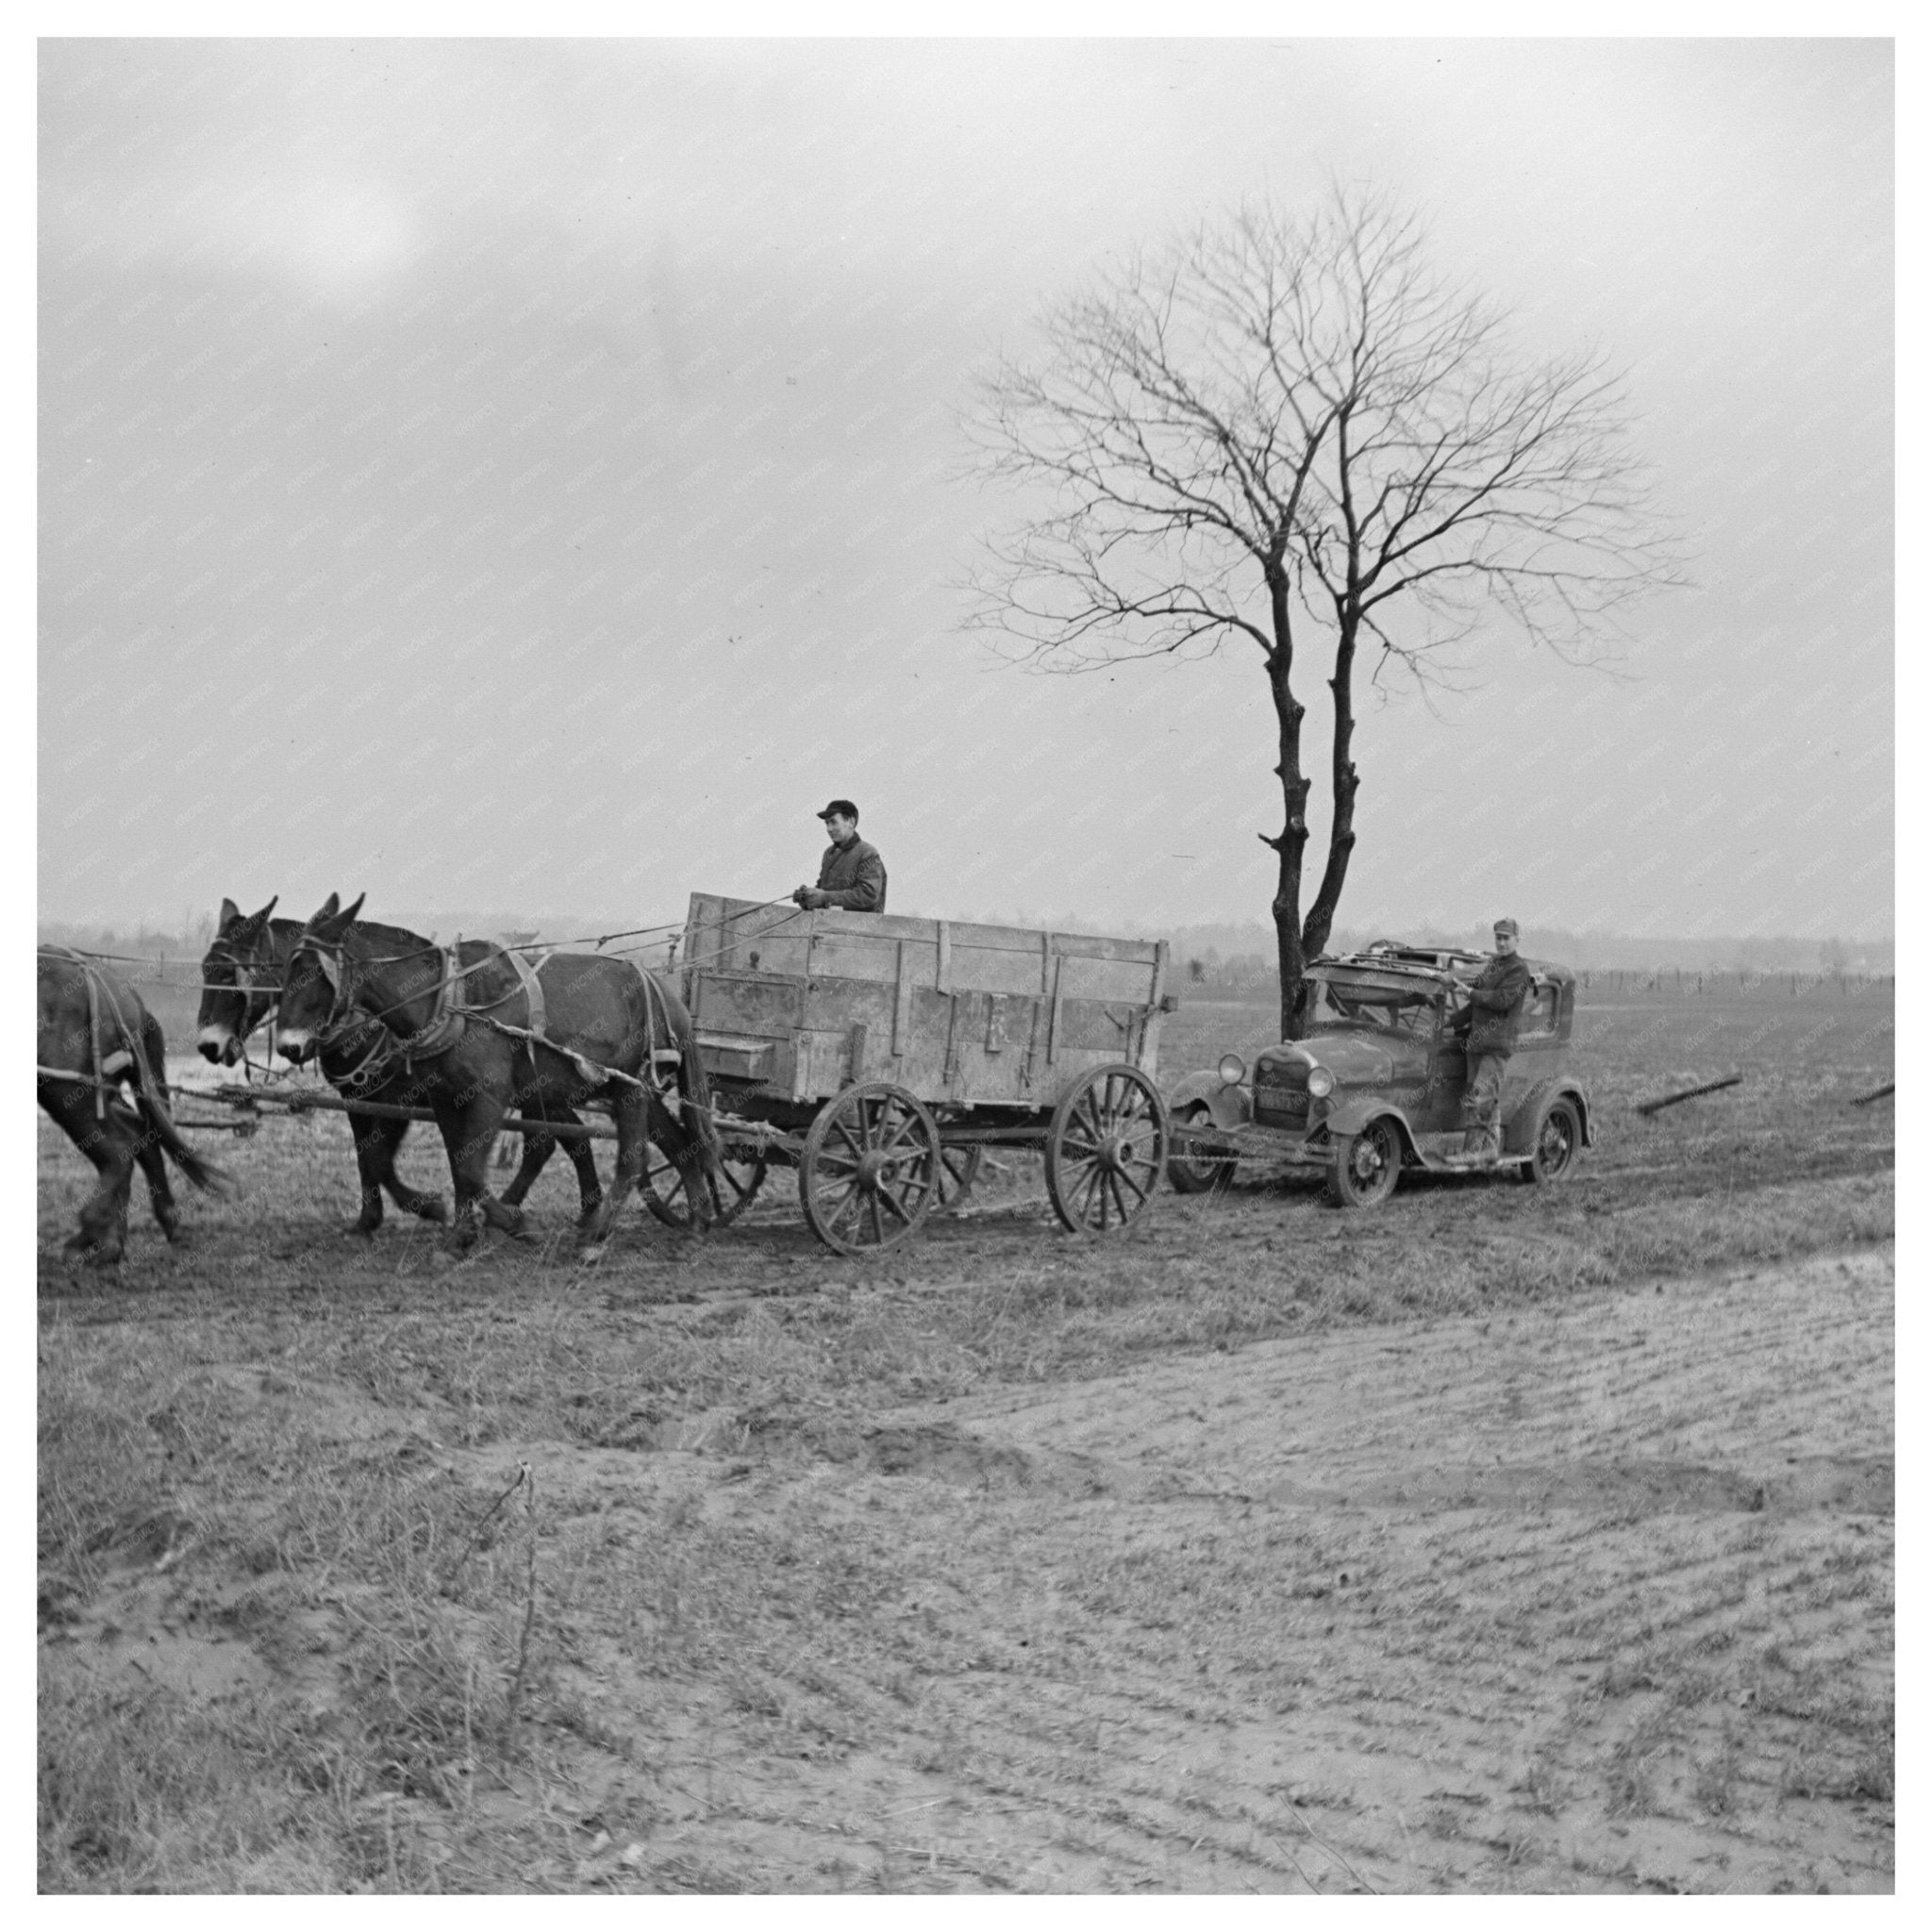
525 475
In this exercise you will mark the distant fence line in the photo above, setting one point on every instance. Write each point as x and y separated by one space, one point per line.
1692 981
1259 978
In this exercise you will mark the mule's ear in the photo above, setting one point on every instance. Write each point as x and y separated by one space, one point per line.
229 913
261 918
349 912
328 910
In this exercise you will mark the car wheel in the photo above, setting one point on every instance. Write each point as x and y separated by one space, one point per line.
1366 1166
1191 1173
1558 1136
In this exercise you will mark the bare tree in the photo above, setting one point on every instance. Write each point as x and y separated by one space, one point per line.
1295 432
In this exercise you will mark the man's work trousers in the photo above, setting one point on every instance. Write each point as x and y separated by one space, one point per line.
1480 1100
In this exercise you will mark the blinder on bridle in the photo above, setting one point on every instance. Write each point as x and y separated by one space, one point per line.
330 962
258 993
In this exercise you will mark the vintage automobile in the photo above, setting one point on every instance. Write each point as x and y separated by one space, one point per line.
1375 1083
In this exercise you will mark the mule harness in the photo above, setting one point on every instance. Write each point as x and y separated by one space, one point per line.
111 1070
448 1018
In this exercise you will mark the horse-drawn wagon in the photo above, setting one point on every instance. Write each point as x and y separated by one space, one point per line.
881 1056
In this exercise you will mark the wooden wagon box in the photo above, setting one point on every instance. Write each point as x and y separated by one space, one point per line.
803 1005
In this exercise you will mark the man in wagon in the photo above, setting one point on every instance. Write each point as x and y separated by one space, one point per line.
852 875
1495 1005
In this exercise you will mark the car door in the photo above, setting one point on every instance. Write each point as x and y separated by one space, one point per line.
1538 1049
1441 1107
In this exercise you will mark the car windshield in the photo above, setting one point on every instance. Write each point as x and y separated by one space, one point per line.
1394 1007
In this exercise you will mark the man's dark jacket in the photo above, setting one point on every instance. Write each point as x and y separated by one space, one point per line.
1495 998
854 875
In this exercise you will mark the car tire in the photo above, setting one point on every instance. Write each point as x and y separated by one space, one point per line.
1557 1142
1366 1166
1190 1176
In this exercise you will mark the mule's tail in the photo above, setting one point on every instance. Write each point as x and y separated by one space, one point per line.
150 1082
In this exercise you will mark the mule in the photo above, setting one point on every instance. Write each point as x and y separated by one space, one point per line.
94 1028
242 975
464 1018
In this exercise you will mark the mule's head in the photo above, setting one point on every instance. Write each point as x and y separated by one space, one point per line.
315 984
237 983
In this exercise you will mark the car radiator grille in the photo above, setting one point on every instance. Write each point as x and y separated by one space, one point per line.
1289 1104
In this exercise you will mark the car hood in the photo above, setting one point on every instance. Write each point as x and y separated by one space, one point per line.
1367 1059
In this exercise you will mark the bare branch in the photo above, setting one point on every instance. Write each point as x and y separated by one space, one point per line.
1285 428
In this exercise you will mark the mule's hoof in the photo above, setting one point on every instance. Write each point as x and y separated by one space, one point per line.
432 1209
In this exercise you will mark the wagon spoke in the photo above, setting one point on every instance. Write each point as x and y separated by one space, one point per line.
1084 1188
892 1201
1139 1193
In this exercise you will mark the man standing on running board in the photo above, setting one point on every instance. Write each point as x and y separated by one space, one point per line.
1495 1001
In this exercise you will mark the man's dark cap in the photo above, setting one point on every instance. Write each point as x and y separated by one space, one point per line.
844 806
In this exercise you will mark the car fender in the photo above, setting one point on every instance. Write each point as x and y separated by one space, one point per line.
1351 1115
1520 1133
1228 1107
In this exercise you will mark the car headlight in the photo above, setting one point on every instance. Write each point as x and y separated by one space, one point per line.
1233 1069
1321 1082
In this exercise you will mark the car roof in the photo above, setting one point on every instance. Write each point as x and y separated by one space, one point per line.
1439 965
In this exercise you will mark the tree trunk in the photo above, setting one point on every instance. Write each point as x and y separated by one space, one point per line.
1344 782
1294 805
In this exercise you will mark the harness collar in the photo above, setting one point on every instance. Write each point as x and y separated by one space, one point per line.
447 1020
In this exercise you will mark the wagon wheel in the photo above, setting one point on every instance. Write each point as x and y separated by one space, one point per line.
867 1177
958 1168
1106 1147
741 1174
